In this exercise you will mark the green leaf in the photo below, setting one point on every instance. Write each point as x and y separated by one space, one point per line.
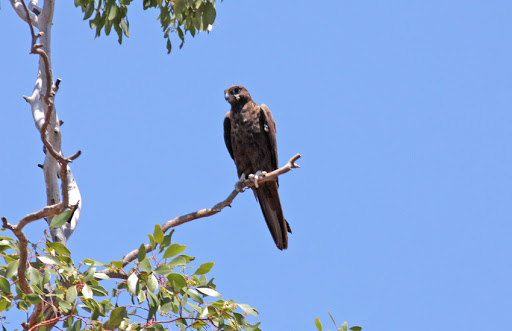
152 283
145 264
132 281
163 269
59 248
116 318
65 306
173 250
248 309
208 291
71 294
34 276
5 286
118 264
3 305
152 240
89 274
87 292
344 326
142 253
77 326
124 26
99 291
48 259
113 12
195 307
141 296
60 219
194 295
318 324
101 275
332 319
204 268
179 8
95 263
12 269
177 280
89 10
33 298
209 12
177 261
158 234
356 328
167 240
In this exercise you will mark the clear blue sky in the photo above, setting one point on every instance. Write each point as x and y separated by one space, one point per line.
401 212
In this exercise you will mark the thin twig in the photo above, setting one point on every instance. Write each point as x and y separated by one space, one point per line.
239 186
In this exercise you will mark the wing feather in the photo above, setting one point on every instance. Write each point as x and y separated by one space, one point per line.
269 127
227 134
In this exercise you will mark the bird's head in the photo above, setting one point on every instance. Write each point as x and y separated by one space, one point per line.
237 95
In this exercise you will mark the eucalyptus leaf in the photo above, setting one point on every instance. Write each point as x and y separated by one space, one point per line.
87 292
12 269
49 259
116 317
71 294
158 234
61 219
318 324
162 269
5 286
174 249
132 283
142 253
152 283
208 291
204 268
145 264
248 309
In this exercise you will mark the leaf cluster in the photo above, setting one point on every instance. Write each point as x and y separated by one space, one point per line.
175 16
159 290
343 327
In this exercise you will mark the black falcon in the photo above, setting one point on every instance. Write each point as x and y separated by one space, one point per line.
250 136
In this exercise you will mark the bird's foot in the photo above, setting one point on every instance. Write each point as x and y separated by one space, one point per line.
239 186
257 175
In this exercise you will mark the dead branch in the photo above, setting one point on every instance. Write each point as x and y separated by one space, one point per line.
239 186
48 99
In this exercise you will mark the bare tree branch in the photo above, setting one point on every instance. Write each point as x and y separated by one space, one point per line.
239 186
18 8
46 120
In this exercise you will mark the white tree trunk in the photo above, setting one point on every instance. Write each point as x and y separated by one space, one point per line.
44 22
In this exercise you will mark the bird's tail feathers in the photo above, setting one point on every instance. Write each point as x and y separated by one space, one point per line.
270 204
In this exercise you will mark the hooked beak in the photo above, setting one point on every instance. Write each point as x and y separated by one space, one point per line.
229 97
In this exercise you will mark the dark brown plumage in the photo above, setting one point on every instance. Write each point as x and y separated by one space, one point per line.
250 136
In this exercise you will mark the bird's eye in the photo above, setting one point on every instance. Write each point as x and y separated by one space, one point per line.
236 90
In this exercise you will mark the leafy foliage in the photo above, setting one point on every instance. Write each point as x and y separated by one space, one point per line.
157 289
175 16
343 327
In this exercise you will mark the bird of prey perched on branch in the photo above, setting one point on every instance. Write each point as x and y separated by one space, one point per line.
250 136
